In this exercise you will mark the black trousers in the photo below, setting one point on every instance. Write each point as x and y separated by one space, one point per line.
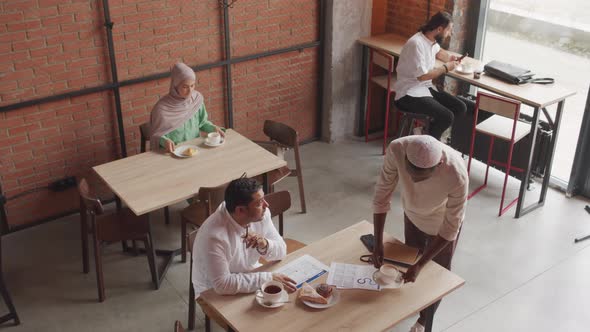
442 107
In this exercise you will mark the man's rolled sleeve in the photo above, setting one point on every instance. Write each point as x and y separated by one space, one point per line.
386 183
455 212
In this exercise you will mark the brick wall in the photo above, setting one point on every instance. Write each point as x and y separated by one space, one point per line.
404 17
51 47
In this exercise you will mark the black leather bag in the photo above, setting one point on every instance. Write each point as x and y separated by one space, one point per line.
513 74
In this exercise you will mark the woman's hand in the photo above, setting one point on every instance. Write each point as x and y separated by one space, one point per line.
288 283
170 146
220 131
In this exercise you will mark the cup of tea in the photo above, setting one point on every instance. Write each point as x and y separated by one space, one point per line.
271 291
214 138
389 274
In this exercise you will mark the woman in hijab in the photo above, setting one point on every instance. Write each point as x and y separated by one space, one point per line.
180 115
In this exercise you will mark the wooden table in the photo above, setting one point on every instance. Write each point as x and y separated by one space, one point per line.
358 310
538 96
153 180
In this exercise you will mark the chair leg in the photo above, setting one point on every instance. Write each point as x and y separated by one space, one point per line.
84 238
151 260
207 324
281 224
8 301
490 149
183 241
508 166
98 262
191 305
300 179
167 215
368 115
386 131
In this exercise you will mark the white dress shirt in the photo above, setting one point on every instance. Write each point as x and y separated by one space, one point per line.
417 58
221 260
435 205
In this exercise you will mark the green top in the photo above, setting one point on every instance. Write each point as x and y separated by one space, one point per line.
190 129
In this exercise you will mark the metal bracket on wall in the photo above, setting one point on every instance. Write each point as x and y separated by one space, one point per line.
223 3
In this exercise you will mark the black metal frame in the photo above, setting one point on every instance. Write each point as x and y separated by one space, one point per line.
115 85
579 182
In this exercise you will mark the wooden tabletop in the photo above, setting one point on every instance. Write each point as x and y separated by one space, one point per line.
152 180
536 95
357 310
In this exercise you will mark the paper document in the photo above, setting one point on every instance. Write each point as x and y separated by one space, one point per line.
304 269
351 276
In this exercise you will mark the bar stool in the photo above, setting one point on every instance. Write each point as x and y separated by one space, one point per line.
410 120
386 81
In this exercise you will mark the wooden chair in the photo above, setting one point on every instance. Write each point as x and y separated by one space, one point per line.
279 202
386 81
503 125
12 315
178 327
282 138
145 131
207 200
410 120
122 225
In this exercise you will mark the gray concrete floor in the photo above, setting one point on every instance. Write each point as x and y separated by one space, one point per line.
521 275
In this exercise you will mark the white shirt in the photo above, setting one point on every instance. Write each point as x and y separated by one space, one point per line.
221 260
417 58
435 205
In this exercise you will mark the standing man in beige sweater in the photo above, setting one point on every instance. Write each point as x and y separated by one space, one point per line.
434 185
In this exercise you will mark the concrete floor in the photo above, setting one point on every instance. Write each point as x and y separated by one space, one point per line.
521 275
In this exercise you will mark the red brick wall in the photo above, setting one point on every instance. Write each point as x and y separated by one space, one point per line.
51 47
404 17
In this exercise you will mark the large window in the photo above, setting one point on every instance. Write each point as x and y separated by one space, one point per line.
551 38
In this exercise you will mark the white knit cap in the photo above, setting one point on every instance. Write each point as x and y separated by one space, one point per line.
424 151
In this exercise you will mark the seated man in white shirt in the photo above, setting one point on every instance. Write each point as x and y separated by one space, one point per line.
232 240
434 183
414 91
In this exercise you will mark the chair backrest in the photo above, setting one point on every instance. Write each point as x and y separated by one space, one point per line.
88 202
502 106
278 202
211 197
281 133
145 133
383 60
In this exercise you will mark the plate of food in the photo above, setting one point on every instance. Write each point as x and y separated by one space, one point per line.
321 297
185 151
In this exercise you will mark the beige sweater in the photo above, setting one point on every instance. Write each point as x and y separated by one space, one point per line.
435 205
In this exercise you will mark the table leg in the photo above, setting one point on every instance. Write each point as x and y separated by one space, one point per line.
429 318
527 175
520 211
265 184
364 89
168 255
547 172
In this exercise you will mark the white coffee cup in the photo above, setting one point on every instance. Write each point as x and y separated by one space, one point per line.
272 291
214 138
389 274
467 67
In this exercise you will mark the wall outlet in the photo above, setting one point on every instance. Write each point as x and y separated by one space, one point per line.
63 184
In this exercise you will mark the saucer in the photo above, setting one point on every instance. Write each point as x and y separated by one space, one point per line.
214 145
383 284
464 70
281 302
332 300
179 150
